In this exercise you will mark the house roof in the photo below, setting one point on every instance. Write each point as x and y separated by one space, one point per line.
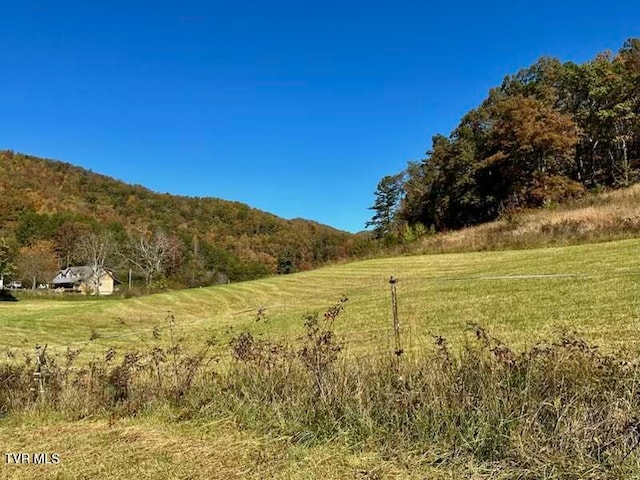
72 275
77 275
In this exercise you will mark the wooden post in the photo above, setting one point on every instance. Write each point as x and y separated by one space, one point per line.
129 279
396 321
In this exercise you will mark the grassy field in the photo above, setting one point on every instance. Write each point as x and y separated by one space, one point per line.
519 296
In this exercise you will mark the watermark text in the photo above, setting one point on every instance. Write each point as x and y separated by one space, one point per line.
24 458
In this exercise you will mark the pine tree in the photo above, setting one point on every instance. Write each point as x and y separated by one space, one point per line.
388 196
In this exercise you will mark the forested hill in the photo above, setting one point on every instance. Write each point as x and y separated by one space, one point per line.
551 132
52 205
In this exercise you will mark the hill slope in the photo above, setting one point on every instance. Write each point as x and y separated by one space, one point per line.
49 200
613 215
520 296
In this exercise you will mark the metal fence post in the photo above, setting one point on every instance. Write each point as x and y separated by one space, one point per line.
396 321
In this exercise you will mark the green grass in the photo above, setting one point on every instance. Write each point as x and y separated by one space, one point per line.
438 295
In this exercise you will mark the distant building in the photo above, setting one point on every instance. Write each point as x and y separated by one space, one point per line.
82 279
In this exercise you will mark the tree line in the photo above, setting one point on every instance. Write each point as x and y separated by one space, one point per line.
552 132
155 257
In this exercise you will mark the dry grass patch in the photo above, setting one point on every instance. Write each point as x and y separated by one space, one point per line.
145 449
596 218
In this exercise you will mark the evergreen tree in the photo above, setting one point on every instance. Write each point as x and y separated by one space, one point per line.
388 196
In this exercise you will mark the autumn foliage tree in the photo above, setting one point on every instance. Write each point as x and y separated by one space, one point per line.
37 263
548 133
6 265
528 143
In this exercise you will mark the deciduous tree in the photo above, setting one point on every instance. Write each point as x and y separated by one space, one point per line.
95 249
6 265
151 253
36 263
529 140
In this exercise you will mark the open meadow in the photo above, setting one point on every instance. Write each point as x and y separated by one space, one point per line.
262 431
519 296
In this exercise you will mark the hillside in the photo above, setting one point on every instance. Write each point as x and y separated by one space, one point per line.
613 215
46 200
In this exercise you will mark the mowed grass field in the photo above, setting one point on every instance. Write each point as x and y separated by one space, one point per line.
519 296
161 448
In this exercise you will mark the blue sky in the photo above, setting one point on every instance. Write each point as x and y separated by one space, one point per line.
297 108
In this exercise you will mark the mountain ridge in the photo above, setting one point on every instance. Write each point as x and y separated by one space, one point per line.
40 198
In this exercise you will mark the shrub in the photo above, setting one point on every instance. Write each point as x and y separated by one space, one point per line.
547 189
7 296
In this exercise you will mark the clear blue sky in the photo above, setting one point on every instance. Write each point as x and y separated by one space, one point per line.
294 107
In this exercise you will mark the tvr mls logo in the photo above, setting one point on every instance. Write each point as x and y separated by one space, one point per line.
22 458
